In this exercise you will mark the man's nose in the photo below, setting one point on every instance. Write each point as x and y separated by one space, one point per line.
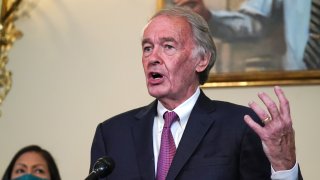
155 57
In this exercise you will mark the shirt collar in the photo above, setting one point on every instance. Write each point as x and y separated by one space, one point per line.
183 110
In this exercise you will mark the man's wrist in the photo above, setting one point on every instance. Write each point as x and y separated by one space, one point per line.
291 174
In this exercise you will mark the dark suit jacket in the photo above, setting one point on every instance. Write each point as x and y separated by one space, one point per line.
216 144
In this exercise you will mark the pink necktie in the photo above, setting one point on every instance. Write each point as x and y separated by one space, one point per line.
167 148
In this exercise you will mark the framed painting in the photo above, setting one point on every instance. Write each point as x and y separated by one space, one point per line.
260 42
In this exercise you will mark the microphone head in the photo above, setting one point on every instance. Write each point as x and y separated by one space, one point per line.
103 166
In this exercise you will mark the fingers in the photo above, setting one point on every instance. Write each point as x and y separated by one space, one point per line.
262 114
280 115
253 125
277 136
284 106
270 105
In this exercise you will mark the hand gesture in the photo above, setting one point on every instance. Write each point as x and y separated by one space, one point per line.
277 134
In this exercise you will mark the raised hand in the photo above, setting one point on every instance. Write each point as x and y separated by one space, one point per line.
277 134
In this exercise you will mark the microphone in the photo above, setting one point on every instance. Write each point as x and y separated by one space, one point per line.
101 168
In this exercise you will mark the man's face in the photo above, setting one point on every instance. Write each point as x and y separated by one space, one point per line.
169 63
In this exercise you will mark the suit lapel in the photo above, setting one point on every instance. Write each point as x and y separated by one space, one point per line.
143 141
198 124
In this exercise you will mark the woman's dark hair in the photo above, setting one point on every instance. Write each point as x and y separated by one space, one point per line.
53 169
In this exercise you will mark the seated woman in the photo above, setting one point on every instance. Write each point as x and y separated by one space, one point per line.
32 163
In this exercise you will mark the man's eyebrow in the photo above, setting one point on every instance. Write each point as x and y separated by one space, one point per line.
163 39
167 39
146 40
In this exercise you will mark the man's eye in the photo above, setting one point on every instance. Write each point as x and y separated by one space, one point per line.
147 49
169 49
167 46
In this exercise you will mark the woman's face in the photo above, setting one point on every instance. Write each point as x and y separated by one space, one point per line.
31 163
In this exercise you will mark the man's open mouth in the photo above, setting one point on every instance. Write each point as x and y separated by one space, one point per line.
156 75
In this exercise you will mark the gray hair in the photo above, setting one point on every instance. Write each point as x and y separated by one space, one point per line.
201 36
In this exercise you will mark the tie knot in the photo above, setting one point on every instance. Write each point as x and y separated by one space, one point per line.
169 118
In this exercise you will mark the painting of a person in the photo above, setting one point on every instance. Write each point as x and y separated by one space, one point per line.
267 35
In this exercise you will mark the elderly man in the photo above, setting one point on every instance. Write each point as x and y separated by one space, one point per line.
183 134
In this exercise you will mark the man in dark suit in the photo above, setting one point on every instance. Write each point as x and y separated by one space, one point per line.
204 139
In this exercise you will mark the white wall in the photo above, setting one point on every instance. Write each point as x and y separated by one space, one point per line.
79 64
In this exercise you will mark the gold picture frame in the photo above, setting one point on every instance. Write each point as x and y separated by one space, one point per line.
232 71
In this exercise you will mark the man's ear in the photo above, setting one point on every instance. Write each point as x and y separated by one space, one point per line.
203 62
